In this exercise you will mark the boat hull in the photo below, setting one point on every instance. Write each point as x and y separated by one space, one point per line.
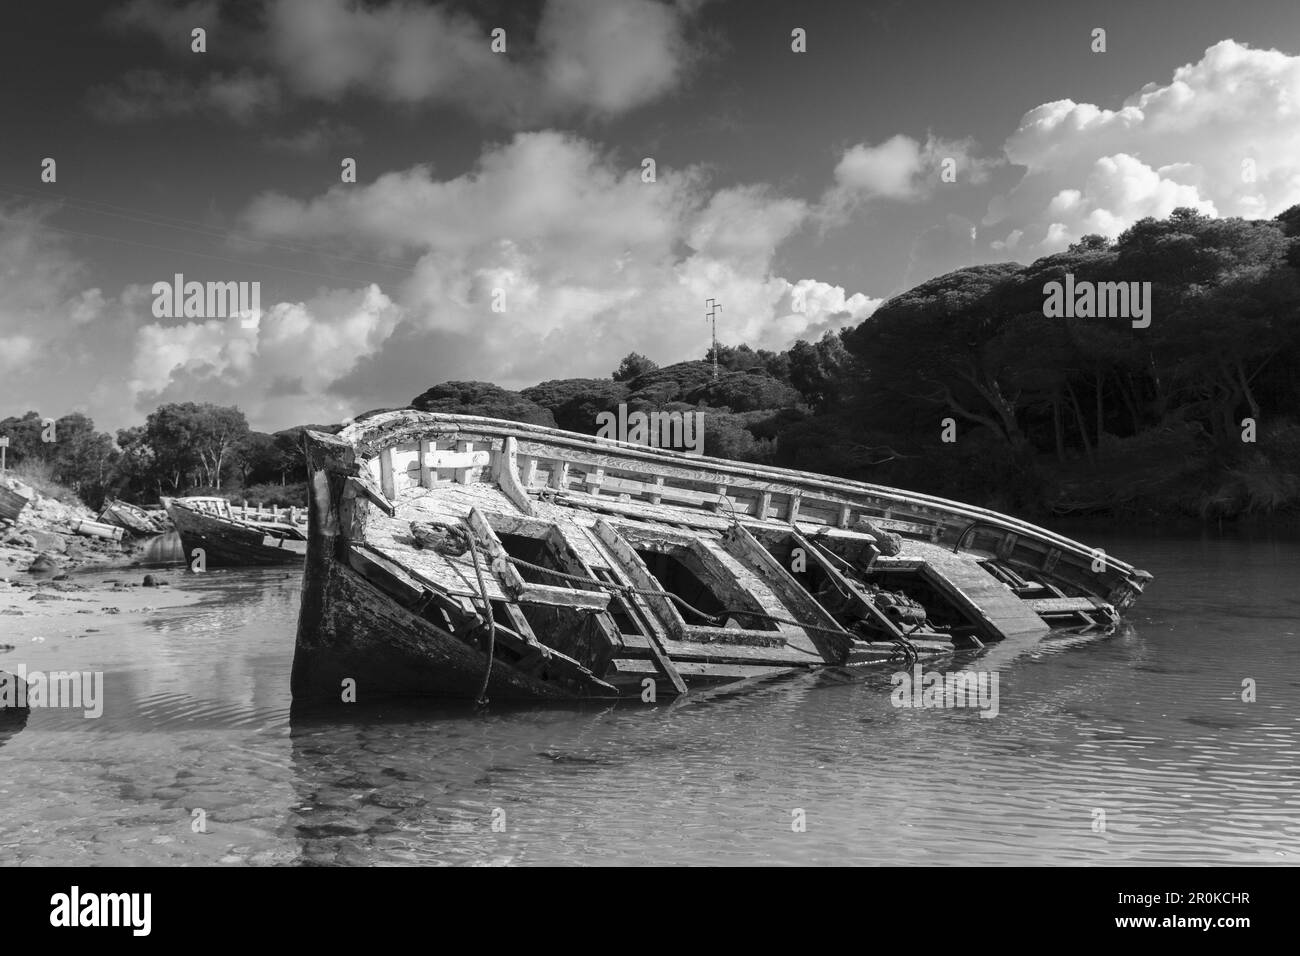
227 542
359 645
383 611
135 520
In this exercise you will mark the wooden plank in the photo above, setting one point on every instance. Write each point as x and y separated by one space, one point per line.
506 573
559 474
635 669
658 617
461 459
363 486
792 516
11 503
517 588
386 472
653 639
657 495
427 449
1065 605
638 575
994 608
681 651
289 544
507 476
464 462
851 588
745 547
563 597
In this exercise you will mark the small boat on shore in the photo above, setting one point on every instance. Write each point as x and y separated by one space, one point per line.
136 520
228 539
463 557
13 499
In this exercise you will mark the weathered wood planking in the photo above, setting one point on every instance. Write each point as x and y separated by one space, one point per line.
12 503
589 508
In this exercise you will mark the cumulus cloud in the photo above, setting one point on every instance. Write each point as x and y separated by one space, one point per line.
595 58
279 372
589 262
900 168
1223 136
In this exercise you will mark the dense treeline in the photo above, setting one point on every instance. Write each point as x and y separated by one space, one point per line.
182 448
963 386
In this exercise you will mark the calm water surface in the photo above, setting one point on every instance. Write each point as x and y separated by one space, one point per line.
1147 725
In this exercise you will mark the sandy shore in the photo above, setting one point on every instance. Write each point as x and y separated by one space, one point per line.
37 607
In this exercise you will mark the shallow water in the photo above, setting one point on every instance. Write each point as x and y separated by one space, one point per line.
1147 725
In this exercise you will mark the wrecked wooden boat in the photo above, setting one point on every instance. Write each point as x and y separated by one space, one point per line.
134 519
460 556
231 540
13 501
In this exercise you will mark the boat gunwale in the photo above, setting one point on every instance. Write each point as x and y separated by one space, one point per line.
368 435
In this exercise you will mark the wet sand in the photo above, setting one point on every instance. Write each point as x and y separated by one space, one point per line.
36 607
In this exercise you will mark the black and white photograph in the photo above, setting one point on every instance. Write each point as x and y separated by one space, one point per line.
651 433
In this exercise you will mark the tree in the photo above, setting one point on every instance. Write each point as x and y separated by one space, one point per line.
818 371
482 398
194 440
633 364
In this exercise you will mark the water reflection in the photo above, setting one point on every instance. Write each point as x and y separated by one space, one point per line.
1147 724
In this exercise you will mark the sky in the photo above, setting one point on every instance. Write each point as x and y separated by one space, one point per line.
504 224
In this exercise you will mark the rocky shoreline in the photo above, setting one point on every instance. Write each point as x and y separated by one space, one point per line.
49 574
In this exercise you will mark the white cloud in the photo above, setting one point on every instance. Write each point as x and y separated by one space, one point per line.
593 264
1184 143
901 168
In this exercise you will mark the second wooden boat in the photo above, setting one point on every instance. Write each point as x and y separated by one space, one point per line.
226 540
448 553
134 519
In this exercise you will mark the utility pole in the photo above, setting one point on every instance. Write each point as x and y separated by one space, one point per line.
712 316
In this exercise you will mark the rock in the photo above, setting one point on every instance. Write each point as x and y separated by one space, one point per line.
48 541
11 715
44 562
149 581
